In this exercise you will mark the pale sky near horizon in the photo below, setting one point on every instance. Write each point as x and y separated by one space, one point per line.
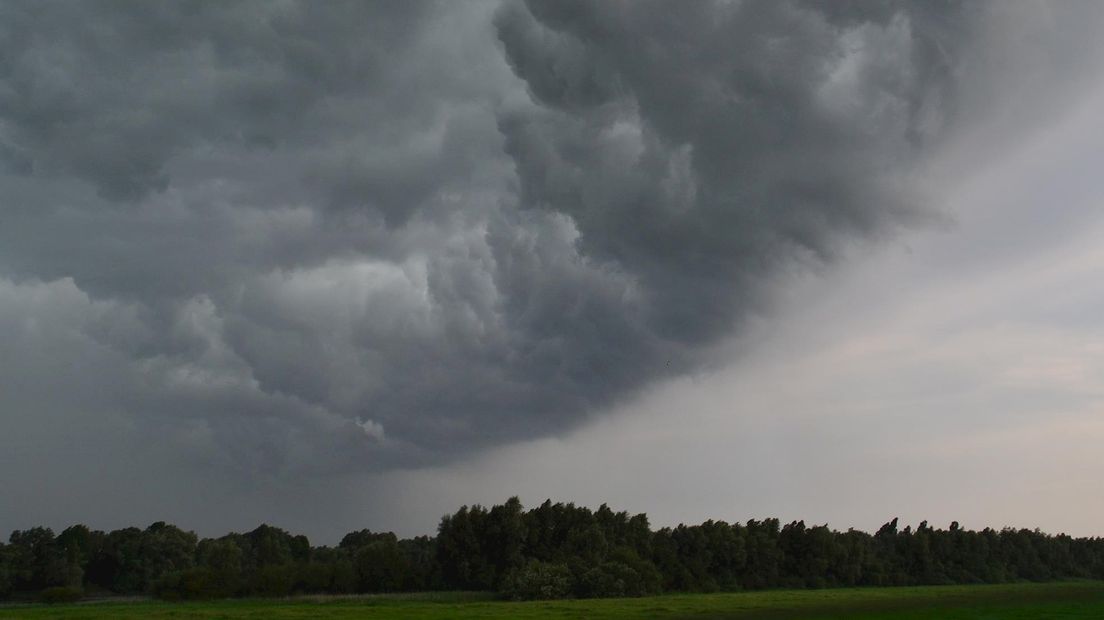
356 266
952 386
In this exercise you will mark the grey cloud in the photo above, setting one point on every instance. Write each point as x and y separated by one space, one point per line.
697 153
109 92
363 236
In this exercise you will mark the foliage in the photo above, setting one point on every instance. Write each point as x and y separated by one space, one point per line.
536 580
554 550
60 594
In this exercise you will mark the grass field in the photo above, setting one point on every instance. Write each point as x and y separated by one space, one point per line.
1066 601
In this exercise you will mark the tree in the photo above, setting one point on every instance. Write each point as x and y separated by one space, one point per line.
5 572
38 562
222 558
553 550
164 549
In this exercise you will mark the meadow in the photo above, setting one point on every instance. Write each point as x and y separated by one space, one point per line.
1066 601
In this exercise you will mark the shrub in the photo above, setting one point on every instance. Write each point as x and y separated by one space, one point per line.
61 594
612 579
537 580
274 580
191 584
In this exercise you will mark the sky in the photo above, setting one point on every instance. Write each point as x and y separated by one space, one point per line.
341 265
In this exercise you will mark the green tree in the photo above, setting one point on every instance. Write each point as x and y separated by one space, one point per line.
380 566
37 561
5 572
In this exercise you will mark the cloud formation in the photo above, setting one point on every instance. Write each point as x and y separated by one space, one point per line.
298 238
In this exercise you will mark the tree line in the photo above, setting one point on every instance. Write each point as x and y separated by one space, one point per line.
555 550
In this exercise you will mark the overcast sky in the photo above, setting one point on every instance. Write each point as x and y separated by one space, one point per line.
343 265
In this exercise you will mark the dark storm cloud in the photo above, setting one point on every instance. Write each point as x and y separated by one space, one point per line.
699 151
109 92
323 236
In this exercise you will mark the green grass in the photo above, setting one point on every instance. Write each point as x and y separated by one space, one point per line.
1065 601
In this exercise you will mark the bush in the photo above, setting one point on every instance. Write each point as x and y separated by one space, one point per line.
191 584
612 579
61 594
5 578
274 580
537 581
316 577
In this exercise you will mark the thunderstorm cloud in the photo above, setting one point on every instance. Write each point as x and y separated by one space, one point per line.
298 238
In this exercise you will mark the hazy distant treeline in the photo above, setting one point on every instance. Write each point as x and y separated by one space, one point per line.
552 551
